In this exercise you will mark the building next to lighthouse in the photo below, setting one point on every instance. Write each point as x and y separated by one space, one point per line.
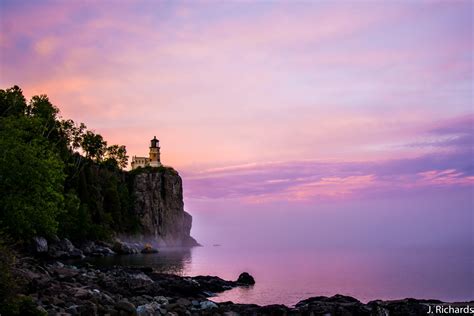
153 160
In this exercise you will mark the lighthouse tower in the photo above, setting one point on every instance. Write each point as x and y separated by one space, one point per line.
155 152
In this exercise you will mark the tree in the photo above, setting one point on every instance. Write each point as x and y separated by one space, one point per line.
72 134
12 102
94 146
118 154
31 180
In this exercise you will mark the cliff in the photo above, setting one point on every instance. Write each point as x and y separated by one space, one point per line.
159 207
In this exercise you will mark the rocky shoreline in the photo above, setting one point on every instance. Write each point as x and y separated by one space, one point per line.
82 289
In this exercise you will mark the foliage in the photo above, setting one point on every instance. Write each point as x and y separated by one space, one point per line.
31 186
94 146
47 185
118 155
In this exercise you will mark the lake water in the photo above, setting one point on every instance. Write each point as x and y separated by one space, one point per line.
290 275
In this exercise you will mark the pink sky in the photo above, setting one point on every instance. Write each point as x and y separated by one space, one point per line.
262 101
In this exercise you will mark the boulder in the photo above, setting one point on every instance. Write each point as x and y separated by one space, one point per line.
123 248
246 279
40 245
208 305
334 305
64 249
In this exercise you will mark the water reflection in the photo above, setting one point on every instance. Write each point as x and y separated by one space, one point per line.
172 260
288 276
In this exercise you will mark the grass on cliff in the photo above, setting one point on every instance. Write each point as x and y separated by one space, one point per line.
149 169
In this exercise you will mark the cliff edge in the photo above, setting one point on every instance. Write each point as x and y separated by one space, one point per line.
159 207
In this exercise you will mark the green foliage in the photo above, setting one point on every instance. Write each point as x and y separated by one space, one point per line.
47 186
8 285
117 155
149 169
94 146
31 186
12 102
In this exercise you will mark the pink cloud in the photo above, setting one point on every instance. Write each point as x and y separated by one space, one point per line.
445 177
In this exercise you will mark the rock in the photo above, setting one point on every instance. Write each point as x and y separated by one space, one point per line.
335 305
149 249
183 301
100 251
148 309
208 305
77 253
64 249
161 300
158 204
82 293
40 245
87 247
408 307
123 248
211 284
245 279
127 307
66 245
88 308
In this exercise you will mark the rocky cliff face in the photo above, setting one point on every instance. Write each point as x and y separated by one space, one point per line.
158 204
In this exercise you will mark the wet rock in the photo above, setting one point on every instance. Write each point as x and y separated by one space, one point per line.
149 249
246 279
212 284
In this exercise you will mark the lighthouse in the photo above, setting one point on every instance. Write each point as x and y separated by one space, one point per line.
155 152
153 160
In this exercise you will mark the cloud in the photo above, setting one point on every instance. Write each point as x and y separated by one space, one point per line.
451 165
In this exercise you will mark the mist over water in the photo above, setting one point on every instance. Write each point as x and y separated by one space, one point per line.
378 249
384 248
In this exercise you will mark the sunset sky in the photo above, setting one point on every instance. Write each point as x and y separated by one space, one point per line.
264 103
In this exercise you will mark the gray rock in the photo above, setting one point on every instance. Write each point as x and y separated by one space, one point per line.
150 309
208 305
123 248
40 245
161 300
64 249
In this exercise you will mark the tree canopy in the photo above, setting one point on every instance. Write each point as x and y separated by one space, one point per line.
56 176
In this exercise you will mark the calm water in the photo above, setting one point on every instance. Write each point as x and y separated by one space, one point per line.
287 276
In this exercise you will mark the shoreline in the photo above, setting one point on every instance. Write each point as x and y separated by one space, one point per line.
83 289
